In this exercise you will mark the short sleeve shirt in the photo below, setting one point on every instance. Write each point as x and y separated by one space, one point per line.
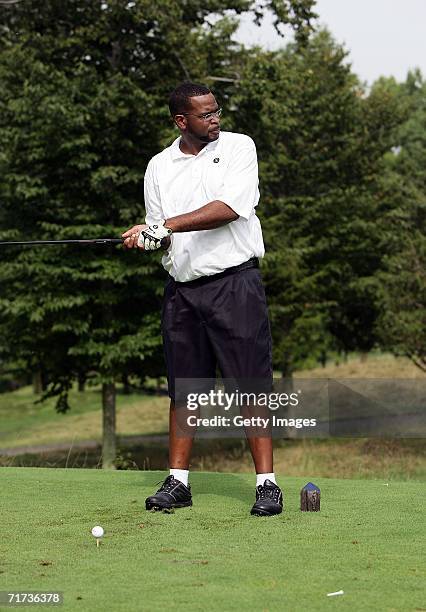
177 183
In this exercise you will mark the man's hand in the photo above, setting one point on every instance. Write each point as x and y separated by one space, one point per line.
154 236
147 238
131 237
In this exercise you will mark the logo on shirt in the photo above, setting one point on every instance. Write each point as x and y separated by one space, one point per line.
216 160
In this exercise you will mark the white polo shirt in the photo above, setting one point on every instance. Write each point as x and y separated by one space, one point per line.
177 183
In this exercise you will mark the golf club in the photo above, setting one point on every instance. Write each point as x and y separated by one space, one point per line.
104 241
47 242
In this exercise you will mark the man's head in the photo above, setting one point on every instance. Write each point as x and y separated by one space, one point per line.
195 111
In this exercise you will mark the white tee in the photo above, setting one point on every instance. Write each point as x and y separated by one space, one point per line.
177 183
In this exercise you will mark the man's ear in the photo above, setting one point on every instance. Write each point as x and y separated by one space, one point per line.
180 121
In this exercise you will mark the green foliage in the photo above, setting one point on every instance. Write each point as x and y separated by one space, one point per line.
402 280
321 141
83 91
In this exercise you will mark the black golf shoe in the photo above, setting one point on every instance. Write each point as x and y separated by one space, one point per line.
269 499
172 494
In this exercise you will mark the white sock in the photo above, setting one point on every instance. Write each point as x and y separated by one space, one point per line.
260 478
181 475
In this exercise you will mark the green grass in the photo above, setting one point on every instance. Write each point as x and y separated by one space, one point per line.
25 423
366 540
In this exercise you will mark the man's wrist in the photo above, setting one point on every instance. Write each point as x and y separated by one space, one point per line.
165 243
168 223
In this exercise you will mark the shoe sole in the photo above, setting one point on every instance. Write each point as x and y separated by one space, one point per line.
264 513
158 508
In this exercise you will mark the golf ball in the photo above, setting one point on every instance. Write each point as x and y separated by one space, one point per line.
97 531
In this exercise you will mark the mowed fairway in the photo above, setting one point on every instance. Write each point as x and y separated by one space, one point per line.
367 540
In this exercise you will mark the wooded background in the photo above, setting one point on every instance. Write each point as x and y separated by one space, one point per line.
83 107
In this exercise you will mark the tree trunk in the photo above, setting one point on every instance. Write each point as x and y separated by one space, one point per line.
126 384
286 368
109 443
286 377
37 382
81 382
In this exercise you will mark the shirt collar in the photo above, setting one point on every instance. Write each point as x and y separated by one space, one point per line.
176 153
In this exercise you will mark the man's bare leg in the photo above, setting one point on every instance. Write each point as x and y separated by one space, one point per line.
262 453
180 441
259 440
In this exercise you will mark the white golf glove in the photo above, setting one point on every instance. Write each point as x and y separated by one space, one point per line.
151 237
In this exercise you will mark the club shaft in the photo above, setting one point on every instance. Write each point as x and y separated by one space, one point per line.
47 242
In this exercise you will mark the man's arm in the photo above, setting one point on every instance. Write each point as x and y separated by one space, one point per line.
210 216
236 199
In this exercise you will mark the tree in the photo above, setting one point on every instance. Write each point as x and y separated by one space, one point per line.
320 141
83 107
401 281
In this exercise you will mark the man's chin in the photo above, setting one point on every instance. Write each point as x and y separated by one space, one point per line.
210 137
214 134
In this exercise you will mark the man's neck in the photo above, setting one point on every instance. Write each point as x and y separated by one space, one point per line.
190 146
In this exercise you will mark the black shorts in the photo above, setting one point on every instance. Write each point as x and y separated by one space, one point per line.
218 321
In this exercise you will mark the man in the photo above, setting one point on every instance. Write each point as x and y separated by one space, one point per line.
200 199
